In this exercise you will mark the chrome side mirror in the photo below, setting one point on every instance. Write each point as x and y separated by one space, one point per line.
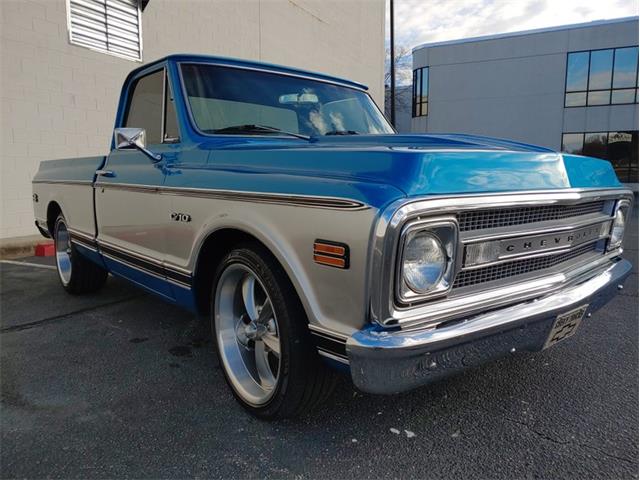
128 138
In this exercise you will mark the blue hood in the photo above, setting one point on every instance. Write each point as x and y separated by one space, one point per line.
408 165
429 142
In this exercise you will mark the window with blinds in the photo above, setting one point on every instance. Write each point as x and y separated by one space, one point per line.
109 26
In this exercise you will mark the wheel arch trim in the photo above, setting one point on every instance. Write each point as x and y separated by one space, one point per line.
275 245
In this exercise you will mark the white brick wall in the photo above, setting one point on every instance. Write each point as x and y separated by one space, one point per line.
59 100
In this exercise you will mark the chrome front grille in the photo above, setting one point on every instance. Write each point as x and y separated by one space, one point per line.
508 217
467 278
523 245
497 223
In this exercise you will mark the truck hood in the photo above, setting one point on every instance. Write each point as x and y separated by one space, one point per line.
426 142
411 164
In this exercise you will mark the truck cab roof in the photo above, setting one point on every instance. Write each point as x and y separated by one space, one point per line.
251 64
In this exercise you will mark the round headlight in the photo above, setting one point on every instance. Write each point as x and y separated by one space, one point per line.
424 262
617 229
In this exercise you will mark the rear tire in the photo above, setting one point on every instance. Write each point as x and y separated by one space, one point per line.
262 339
77 274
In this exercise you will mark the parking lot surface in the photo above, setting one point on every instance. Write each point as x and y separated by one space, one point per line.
120 384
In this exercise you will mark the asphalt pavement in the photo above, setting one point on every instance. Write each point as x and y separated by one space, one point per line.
120 384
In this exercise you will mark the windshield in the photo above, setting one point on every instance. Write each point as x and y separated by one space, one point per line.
236 101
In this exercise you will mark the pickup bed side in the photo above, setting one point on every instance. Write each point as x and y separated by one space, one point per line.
67 182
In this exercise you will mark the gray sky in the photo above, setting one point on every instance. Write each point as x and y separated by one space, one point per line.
421 21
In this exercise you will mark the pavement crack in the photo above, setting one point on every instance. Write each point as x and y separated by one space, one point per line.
606 454
44 321
535 432
564 442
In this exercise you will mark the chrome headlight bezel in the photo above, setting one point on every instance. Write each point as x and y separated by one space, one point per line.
622 209
445 231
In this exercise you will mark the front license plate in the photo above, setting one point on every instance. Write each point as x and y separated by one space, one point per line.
565 326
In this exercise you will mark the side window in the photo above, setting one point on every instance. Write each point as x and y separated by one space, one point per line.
171 132
145 106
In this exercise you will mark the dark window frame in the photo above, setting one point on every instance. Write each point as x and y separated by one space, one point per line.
610 90
168 95
608 134
419 108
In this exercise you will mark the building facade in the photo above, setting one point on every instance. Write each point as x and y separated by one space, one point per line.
62 64
572 88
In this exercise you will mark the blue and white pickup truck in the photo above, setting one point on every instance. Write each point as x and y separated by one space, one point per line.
282 205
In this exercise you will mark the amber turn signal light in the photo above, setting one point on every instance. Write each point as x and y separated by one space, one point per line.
332 254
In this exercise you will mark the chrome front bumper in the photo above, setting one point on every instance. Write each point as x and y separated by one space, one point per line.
387 362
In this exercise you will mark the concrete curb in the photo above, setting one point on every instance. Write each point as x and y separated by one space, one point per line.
20 246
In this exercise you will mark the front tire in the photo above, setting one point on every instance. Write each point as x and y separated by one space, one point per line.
262 339
77 274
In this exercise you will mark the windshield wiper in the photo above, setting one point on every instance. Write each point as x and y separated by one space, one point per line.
342 132
257 128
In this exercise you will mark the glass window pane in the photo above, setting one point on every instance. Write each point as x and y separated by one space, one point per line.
595 145
623 96
572 143
601 66
577 69
425 85
420 91
626 65
223 100
413 95
619 153
416 92
145 109
577 99
599 98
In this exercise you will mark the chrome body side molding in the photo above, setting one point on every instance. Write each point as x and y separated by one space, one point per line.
134 260
275 198
83 239
330 344
147 264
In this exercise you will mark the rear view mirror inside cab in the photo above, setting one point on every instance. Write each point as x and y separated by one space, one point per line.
298 98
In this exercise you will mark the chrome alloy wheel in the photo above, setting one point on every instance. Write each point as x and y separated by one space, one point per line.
63 252
247 334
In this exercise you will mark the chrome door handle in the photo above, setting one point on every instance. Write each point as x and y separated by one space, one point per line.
105 173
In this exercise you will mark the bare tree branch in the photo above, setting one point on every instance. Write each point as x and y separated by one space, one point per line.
402 59
401 56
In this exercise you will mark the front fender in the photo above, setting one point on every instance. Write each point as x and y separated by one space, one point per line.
333 298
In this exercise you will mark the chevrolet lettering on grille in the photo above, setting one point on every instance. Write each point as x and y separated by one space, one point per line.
555 241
